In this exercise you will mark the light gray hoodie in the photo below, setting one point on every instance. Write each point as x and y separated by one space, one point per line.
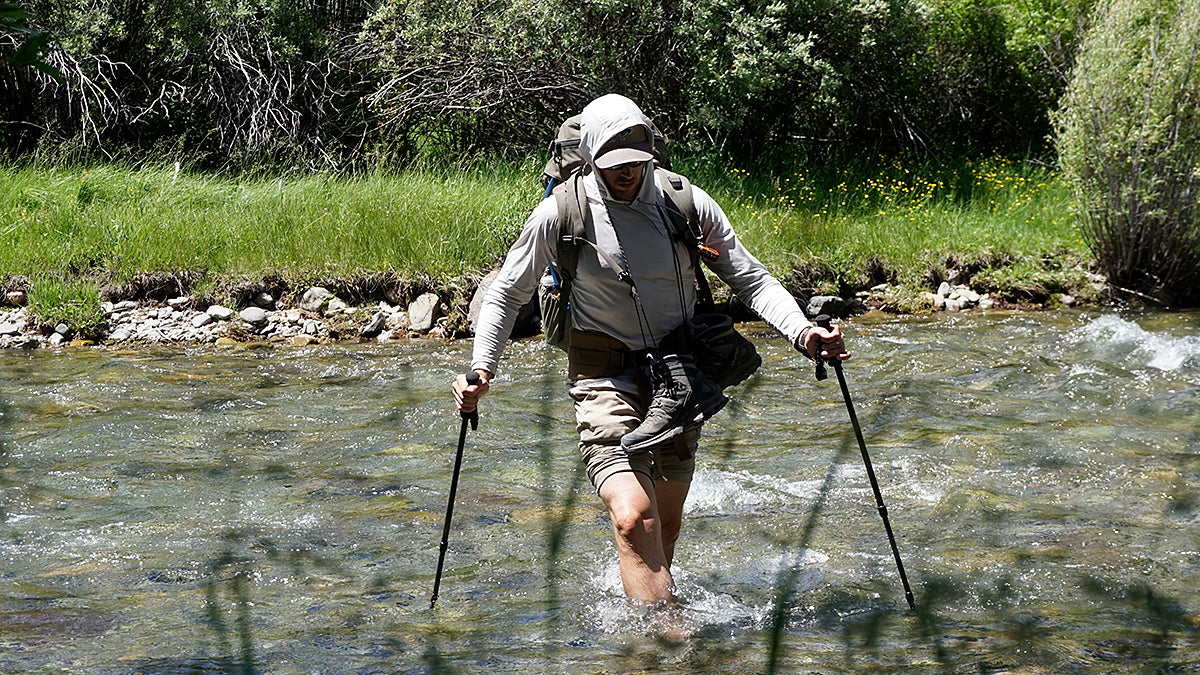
637 236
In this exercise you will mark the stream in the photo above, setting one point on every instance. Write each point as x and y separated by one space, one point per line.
272 509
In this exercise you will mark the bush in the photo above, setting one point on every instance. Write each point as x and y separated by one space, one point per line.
224 83
351 83
1129 136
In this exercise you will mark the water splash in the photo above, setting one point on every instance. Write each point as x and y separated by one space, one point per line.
1128 340
715 491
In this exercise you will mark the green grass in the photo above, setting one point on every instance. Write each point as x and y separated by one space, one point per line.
903 220
69 231
116 223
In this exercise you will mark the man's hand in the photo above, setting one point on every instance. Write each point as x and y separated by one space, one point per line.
824 342
466 396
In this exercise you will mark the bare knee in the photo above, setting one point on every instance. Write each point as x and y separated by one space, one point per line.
630 521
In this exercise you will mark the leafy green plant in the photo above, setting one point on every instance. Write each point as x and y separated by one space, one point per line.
74 302
1129 135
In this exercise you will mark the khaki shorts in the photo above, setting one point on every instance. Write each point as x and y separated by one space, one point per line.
607 408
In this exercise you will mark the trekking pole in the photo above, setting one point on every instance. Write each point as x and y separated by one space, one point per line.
467 417
824 322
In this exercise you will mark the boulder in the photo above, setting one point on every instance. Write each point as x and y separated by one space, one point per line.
424 312
315 298
255 316
831 305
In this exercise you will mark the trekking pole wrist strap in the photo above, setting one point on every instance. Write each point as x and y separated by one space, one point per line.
801 343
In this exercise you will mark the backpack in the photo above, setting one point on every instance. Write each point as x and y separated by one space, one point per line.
723 354
565 157
562 177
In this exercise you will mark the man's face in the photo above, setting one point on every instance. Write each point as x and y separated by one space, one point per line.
624 180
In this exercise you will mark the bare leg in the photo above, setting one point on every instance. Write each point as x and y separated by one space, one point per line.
671 495
637 527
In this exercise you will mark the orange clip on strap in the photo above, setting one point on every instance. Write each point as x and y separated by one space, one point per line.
707 252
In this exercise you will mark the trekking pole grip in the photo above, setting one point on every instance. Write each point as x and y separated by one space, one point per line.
473 416
824 321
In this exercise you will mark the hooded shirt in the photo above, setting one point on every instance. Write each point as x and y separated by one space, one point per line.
636 234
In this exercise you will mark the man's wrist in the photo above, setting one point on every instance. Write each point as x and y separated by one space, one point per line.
802 342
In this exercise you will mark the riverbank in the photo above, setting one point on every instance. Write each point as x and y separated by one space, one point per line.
79 242
266 313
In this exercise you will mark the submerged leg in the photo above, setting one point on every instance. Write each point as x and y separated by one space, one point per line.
637 527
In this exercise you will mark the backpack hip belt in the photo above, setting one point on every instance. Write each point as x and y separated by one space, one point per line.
591 354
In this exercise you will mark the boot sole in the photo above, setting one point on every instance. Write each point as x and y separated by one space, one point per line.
674 431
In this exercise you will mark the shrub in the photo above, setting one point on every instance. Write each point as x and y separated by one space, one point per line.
1129 136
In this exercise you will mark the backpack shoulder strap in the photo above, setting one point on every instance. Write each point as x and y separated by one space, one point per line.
685 221
572 224
678 191
681 211
573 214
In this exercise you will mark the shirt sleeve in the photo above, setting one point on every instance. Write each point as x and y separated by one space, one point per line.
748 277
514 286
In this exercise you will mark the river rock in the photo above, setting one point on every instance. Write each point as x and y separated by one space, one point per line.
375 326
315 298
424 312
831 305
255 316
265 300
123 306
336 305
12 327
220 312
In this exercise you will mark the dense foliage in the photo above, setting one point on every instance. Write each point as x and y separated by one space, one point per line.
1130 143
339 83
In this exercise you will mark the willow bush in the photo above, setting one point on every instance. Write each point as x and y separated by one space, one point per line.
336 84
1129 142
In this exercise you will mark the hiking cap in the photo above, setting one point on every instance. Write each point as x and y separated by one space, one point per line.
628 146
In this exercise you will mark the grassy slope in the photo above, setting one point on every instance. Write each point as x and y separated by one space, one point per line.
70 231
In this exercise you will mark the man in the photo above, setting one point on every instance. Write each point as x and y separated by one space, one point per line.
644 489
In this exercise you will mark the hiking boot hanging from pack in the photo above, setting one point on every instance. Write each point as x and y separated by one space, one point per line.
681 396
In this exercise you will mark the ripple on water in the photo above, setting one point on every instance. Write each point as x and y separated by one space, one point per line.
282 509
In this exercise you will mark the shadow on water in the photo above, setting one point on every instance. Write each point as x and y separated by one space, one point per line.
1151 632
1023 557
558 499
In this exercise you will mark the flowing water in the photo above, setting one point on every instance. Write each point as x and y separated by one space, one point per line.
280 510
